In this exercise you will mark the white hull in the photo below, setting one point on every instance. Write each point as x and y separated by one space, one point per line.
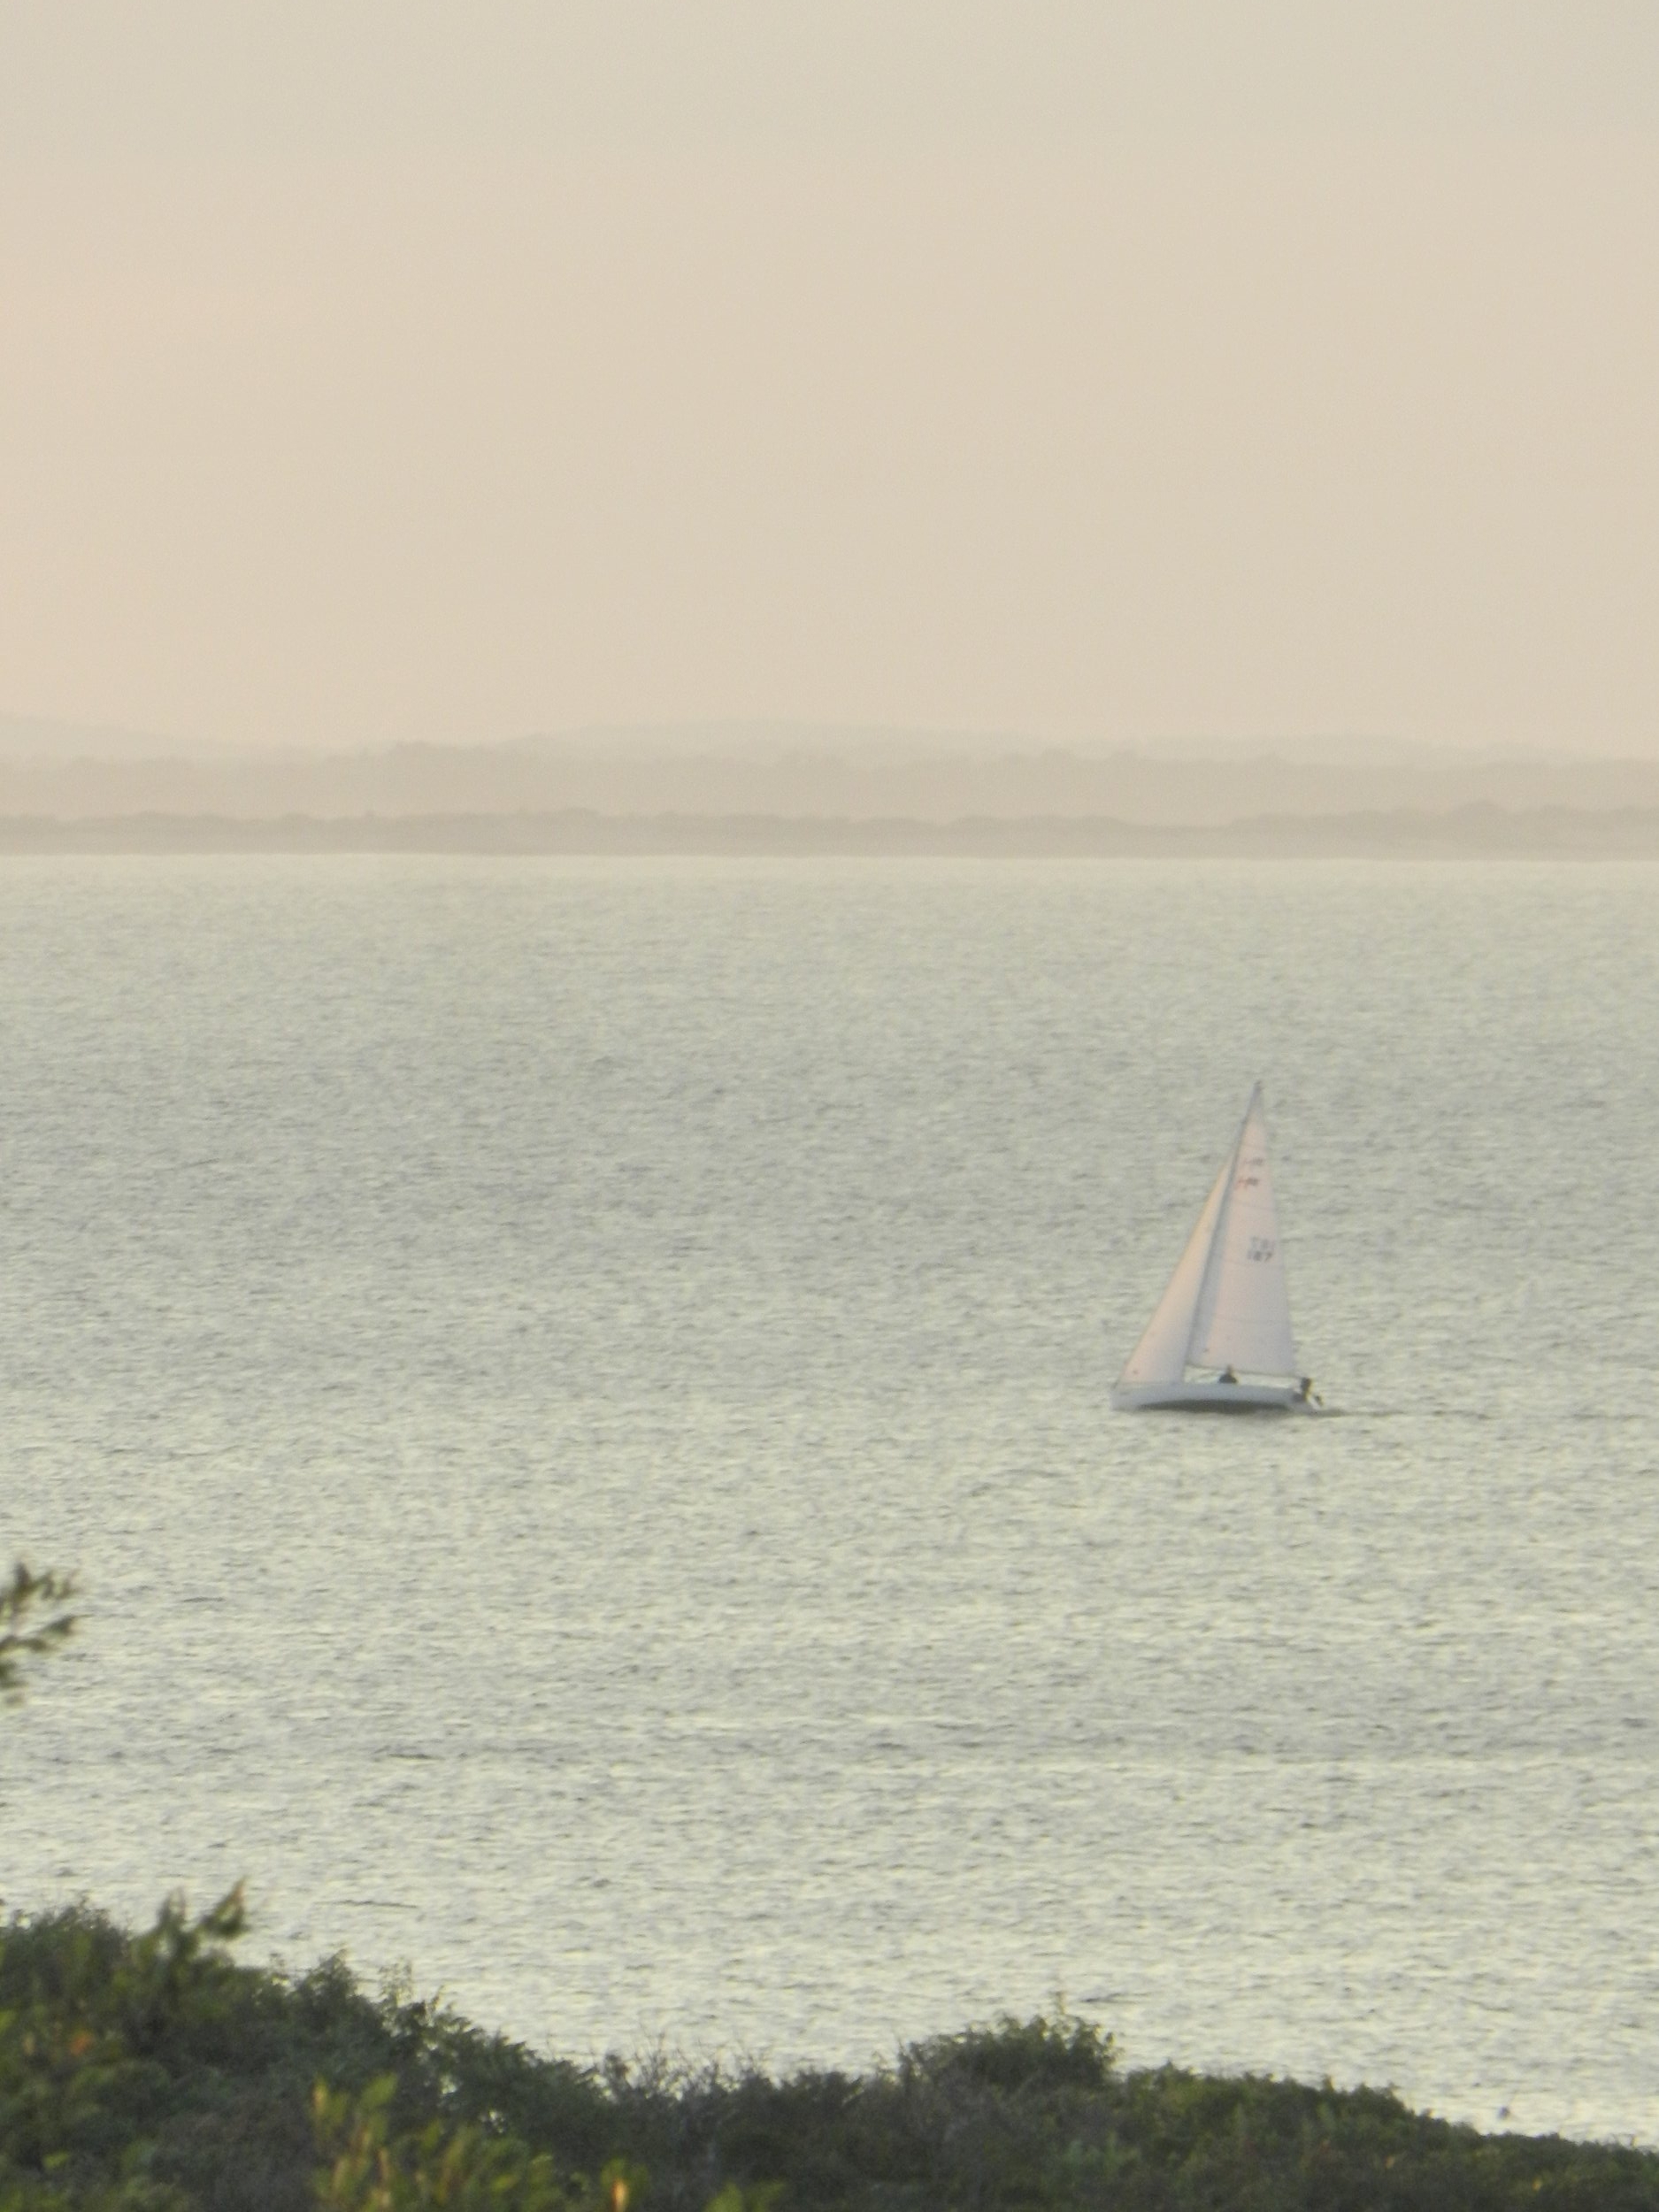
1209 1397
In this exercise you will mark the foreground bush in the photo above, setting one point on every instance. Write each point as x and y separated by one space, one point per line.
153 2073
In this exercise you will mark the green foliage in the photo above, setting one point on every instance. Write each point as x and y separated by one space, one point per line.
366 2168
151 2072
156 2057
24 1635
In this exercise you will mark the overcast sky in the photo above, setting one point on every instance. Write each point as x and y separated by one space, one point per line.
1105 371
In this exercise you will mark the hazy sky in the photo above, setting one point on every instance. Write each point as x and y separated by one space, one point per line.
1105 371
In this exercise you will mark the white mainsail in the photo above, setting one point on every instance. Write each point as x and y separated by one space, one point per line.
1226 1306
1243 1316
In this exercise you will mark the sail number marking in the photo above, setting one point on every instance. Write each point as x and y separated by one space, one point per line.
1261 1249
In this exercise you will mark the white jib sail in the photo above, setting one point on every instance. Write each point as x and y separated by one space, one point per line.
1161 1356
1242 1316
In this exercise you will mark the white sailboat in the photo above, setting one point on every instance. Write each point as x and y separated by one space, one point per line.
1219 1338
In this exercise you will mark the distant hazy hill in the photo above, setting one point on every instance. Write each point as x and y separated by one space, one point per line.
35 737
789 773
1463 833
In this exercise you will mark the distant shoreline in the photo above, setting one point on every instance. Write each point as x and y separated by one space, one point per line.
1473 832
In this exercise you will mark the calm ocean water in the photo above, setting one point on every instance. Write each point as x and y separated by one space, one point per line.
578 1392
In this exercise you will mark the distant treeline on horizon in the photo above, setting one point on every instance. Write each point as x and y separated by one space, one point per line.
1467 831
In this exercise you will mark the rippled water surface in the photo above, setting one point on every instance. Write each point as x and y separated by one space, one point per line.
578 1392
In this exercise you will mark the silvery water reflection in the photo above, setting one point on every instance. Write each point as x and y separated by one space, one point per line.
580 1391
